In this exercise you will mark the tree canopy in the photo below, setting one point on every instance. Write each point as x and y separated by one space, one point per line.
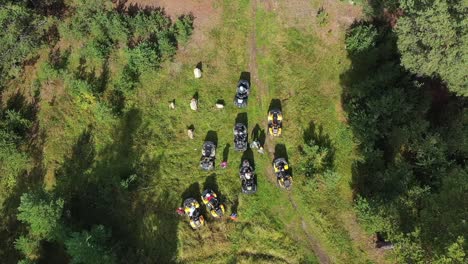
433 41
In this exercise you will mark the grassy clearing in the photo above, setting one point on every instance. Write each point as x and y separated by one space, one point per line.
304 72
295 67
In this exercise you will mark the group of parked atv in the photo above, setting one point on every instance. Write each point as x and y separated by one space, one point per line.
213 206
246 172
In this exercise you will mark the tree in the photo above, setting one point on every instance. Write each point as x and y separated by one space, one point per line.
361 38
90 247
433 41
42 213
21 32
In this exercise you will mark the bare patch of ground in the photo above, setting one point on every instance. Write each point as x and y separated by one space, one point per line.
302 14
361 239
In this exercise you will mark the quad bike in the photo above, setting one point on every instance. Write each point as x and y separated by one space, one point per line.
213 205
283 178
247 176
207 161
242 93
275 122
240 137
192 210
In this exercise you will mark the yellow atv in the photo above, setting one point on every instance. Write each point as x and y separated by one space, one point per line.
283 178
213 205
275 122
192 210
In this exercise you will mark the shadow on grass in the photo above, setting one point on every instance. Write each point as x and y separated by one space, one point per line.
199 66
193 191
275 104
281 152
259 134
195 96
211 182
248 155
245 76
212 136
226 152
243 119
103 192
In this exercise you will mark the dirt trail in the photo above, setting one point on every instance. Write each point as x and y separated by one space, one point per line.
269 145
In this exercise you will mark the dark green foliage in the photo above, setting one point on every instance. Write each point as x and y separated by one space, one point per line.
407 166
89 247
144 37
361 38
21 32
432 41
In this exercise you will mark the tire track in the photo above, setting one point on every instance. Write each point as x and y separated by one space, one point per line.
264 93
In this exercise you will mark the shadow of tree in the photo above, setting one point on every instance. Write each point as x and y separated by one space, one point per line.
100 188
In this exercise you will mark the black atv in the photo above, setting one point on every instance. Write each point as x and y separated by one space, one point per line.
207 161
240 137
242 93
248 179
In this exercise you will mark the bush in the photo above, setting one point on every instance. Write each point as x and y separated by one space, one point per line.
361 38
317 159
183 28
29 247
322 17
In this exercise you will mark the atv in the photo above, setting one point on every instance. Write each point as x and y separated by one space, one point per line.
248 179
283 178
213 205
192 210
240 137
275 122
242 93
207 161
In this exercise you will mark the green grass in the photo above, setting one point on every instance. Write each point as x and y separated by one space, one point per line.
296 67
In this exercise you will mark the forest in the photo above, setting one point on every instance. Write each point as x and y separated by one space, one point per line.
93 164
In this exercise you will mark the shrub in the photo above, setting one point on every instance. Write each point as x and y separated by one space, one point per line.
317 159
183 28
361 38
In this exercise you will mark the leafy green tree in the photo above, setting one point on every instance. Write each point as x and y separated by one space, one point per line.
361 38
12 164
42 213
433 41
28 246
90 247
21 32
